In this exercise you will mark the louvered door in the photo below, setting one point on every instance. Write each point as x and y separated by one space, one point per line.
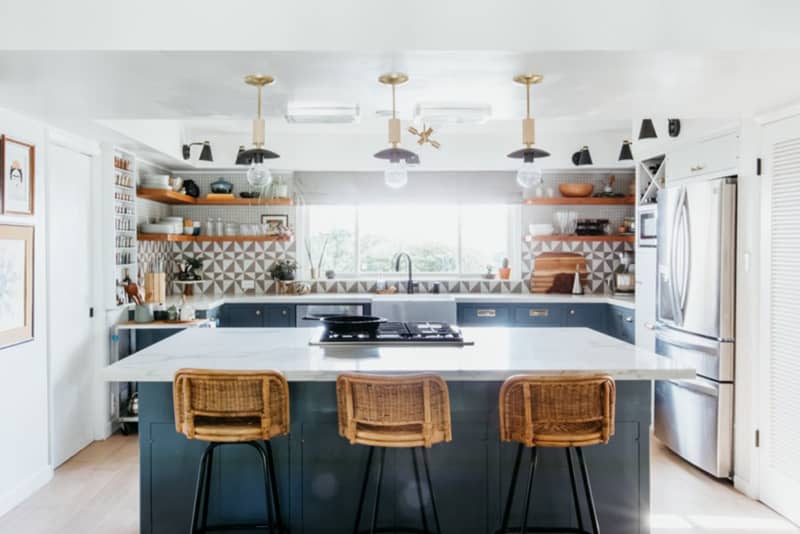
780 381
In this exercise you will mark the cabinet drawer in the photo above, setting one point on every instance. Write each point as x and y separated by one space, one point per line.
622 324
718 155
539 314
483 314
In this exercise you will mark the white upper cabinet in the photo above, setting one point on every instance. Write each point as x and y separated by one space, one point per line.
715 156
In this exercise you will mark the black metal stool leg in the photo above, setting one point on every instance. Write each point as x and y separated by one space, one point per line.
265 473
430 491
363 490
274 482
198 491
531 474
419 490
378 492
510 498
206 495
587 486
574 486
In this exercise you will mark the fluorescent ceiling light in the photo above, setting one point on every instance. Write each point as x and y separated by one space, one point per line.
440 113
299 113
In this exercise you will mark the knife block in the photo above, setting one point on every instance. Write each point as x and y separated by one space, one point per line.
155 288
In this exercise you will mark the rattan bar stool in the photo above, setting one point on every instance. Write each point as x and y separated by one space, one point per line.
227 408
568 412
411 412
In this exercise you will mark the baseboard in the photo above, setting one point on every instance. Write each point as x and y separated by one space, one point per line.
24 490
744 486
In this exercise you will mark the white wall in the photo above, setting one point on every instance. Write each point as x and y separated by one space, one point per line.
24 445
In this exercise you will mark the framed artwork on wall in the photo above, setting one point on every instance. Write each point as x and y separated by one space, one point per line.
274 222
16 284
18 176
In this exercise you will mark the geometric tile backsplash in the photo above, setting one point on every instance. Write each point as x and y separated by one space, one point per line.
240 268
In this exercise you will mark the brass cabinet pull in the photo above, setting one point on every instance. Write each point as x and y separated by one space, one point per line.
572 312
283 312
628 319
487 313
258 312
538 312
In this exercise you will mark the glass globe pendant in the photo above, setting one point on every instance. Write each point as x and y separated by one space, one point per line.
396 175
528 174
258 175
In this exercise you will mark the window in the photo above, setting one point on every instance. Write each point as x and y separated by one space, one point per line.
442 239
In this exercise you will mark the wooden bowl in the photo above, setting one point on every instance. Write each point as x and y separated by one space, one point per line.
575 190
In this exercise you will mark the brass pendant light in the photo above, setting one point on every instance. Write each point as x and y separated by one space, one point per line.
396 174
258 175
528 173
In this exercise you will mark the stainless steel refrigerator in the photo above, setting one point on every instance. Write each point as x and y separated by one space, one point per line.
696 318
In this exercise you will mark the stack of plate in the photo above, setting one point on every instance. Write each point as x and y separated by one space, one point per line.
155 181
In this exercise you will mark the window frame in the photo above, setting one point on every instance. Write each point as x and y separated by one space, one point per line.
513 246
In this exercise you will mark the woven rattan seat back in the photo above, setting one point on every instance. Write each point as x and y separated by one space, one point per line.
393 411
562 411
230 406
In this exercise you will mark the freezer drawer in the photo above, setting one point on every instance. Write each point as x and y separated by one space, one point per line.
694 418
710 358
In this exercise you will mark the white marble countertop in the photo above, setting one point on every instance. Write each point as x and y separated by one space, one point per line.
209 302
497 354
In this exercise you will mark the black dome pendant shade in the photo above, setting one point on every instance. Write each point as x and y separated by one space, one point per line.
254 155
396 154
529 154
647 131
625 153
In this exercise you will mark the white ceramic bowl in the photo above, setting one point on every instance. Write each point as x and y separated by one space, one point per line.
158 228
156 179
540 229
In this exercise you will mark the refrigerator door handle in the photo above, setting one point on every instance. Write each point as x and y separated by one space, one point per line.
697 386
687 251
673 267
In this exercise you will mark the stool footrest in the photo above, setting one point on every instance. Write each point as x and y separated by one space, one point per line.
554 530
405 530
239 526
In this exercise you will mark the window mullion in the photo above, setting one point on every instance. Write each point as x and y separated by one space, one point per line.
458 244
357 243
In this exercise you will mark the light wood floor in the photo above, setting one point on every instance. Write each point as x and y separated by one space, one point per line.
97 492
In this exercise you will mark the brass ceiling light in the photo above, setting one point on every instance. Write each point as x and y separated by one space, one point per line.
258 175
528 173
396 174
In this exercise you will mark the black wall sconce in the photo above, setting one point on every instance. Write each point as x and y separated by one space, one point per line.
674 127
205 153
625 153
582 157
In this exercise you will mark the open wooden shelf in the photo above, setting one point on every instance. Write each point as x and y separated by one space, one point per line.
202 238
166 196
580 201
623 238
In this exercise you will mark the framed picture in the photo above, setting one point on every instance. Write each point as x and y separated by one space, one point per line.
16 284
18 176
274 221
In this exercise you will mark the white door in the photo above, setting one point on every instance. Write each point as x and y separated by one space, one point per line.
779 455
69 298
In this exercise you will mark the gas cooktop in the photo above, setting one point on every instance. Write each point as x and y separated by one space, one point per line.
395 333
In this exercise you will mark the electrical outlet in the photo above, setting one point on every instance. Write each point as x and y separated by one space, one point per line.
248 284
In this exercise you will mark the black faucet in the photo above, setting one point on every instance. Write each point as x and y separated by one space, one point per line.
399 256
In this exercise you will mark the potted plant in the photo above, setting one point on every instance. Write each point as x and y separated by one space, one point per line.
283 270
188 270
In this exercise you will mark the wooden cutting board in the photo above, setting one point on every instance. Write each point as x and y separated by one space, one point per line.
548 264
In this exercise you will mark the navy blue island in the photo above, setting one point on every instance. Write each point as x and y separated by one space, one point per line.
319 472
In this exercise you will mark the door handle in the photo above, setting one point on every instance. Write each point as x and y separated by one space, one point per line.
695 386
541 312
486 313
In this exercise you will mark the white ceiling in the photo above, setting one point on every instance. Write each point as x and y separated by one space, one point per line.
588 85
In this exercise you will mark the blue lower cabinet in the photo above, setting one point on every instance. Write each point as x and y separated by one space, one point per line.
539 315
243 315
150 336
258 315
592 316
279 315
484 315
622 324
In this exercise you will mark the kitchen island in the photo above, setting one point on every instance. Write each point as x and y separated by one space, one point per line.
319 472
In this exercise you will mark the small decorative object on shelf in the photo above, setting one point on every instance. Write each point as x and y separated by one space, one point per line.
283 270
505 270
489 275
188 269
